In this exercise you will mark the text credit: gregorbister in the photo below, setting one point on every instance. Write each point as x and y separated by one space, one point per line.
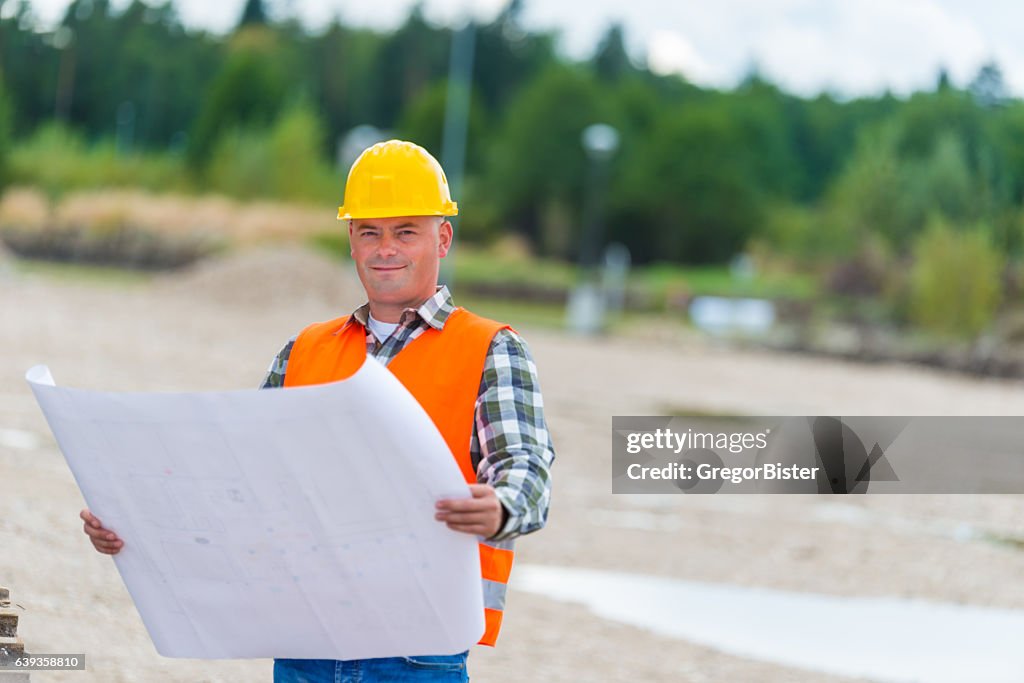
704 471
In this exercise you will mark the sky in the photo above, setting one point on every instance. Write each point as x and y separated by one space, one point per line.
847 47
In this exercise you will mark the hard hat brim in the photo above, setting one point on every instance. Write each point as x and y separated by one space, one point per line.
345 215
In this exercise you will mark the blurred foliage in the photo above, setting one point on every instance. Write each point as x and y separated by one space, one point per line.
843 191
869 195
954 284
5 132
538 165
57 159
247 92
282 160
253 13
138 61
667 279
696 199
422 122
405 63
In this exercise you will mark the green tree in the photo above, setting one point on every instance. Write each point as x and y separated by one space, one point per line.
134 71
912 167
341 64
955 280
423 123
688 194
407 61
764 118
537 166
283 160
5 131
988 87
508 57
254 12
248 92
944 184
1005 133
824 134
869 196
29 63
611 61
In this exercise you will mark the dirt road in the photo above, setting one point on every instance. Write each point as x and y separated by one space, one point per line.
219 328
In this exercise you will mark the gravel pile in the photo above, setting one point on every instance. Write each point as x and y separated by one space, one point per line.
265 276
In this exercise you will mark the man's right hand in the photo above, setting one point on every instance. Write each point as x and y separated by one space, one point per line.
104 540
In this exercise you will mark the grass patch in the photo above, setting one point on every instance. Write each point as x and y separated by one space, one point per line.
76 272
488 266
516 313
59 160
1012 542
660 279
677 410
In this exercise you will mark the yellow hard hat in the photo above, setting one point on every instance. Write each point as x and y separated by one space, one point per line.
396 178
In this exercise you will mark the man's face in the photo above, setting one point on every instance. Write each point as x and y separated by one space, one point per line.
398 258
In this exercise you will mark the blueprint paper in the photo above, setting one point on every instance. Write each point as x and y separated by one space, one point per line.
290 523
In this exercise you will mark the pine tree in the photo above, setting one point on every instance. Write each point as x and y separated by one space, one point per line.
254 13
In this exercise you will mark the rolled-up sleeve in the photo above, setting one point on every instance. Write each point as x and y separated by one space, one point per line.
278 367
511 437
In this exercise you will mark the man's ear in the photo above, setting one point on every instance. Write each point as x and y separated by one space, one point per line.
351 249
445 233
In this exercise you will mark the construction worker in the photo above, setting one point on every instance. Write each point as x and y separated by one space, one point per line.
473 376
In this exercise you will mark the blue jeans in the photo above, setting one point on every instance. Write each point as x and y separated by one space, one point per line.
440 668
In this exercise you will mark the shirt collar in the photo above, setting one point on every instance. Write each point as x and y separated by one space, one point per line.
434 311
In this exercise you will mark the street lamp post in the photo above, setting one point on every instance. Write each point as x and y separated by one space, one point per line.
586 306
600 142
456 124
63 39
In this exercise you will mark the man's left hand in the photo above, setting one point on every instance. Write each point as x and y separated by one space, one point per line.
483 514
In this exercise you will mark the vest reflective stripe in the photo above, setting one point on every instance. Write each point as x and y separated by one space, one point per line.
442 370
494 594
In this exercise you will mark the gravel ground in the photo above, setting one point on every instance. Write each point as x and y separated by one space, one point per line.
218 327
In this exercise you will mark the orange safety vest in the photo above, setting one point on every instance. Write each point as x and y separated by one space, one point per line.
442 369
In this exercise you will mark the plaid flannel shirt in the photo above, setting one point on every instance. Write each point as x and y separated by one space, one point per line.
510 445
